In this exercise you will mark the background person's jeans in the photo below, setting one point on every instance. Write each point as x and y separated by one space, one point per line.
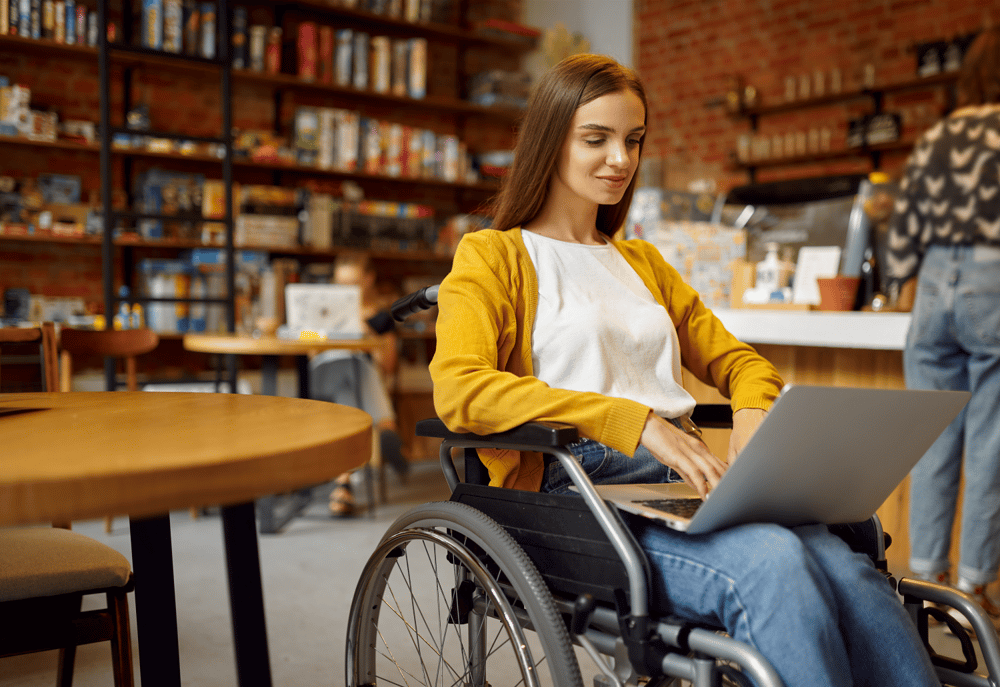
954 343
820 613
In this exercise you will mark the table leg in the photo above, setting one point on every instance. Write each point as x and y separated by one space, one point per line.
368 468
302 364
155 604
246 596
269 375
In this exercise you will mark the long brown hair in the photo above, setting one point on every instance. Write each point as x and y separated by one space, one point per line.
575 81
979 81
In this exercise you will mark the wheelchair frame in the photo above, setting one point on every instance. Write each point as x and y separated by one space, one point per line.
619 626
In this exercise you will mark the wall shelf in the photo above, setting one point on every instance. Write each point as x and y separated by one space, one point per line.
875 95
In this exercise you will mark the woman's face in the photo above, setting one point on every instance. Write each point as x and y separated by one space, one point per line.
601 150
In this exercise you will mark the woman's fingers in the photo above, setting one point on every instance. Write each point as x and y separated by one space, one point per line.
688 456
703 468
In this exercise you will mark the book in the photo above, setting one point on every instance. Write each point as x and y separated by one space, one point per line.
240 45
348 140
173 25
326 143
343 59
272 53
207 30
400 68
307 130
192 26
360 62
24 18
48 19
307 51
258 38
152 24
80 31
381 64
417 64
35 8
324 58
59 9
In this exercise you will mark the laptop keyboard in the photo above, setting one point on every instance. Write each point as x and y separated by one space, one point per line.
682 507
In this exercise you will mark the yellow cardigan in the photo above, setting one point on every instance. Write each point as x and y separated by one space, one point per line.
482 371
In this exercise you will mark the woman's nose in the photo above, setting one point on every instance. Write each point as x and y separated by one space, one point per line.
617 155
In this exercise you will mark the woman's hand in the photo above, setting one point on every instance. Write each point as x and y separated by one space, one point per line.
688 456
745 423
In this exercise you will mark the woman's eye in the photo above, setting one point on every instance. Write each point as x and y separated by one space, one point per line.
594 141
634 141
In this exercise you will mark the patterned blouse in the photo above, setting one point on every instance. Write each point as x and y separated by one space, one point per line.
950 191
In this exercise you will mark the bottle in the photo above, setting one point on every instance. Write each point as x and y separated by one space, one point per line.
137 319
769 270
122 319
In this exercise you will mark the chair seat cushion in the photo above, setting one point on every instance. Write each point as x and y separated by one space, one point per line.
47 561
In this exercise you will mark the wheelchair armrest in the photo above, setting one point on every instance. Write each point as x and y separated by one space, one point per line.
716 415
540 434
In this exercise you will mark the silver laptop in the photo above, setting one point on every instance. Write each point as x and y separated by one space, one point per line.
823 455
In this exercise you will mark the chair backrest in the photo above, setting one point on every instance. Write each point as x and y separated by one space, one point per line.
125 344
46 337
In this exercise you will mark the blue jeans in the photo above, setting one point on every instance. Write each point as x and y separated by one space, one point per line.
820 613
954 343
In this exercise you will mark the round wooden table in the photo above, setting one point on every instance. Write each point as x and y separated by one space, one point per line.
277 510
73 456
270 348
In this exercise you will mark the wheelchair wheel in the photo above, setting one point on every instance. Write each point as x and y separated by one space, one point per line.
448 598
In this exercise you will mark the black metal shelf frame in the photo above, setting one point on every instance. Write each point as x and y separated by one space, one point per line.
107 52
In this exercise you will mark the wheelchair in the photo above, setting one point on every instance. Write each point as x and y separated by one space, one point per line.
505 587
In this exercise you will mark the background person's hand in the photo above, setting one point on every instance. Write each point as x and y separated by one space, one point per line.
745 423
688 456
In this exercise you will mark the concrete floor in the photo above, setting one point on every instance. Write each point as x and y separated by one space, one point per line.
309 573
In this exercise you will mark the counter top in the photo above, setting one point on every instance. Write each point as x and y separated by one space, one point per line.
883 331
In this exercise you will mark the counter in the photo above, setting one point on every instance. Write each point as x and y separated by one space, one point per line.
868 330
859 349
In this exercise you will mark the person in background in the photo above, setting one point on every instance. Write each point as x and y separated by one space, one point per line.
548 317
361 379
944 240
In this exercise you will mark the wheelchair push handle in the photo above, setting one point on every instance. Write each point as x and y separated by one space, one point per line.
423 299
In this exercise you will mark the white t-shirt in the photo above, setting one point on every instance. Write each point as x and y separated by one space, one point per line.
599 329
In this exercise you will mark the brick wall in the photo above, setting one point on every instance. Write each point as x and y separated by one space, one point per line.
688 51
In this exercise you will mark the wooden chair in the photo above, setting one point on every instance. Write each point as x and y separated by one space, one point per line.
46 571
122 345
46 338
44 574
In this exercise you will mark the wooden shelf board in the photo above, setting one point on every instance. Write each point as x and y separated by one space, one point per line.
826 155
848 96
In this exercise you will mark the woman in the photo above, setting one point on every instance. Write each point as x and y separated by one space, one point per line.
945 236
548 317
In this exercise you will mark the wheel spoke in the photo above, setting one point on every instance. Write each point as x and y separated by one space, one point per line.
417 639
465 619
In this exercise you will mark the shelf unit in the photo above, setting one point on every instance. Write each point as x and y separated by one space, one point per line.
876 96
128 57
